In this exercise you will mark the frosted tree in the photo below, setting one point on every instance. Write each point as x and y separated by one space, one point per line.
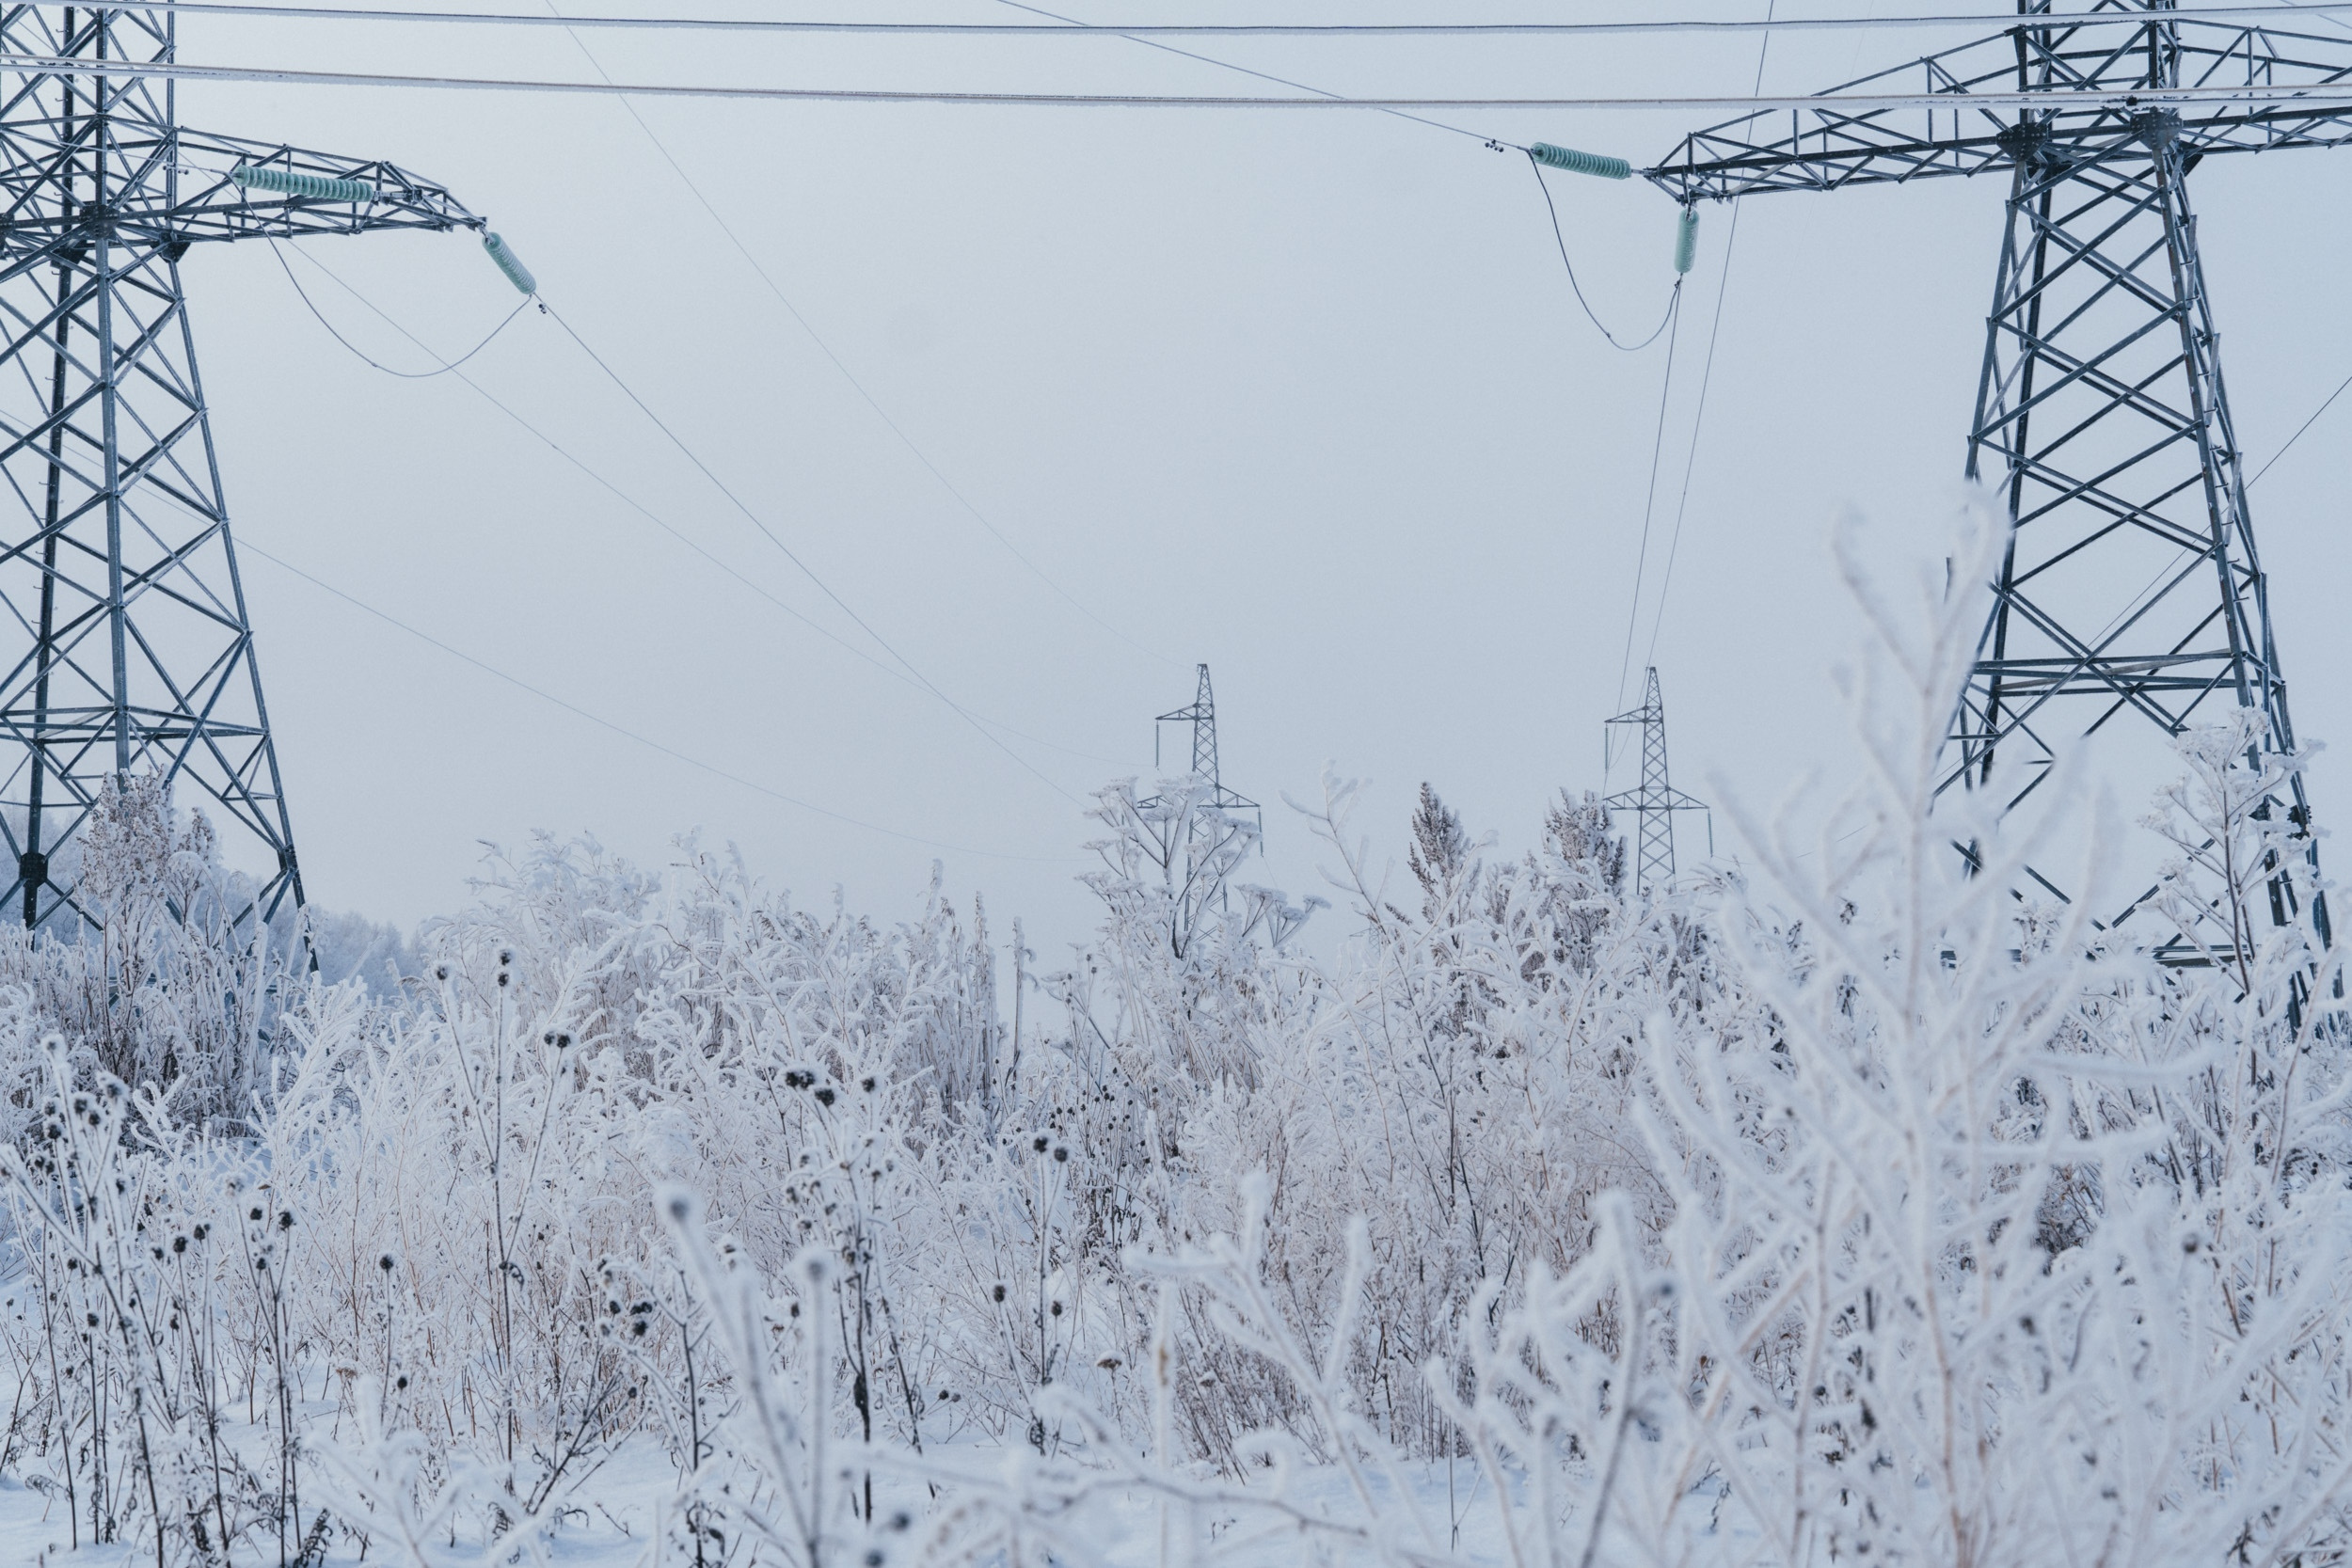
1862 1337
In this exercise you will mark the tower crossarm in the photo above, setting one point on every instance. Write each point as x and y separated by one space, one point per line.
1647 799
179 196
2213 87
87 154
136 660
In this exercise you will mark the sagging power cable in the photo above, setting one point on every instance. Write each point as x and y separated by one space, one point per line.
1244 29
361 355
250 547
1706 379
1649 502
855 385
567 455
2305 96
801 566
1673 301
1131 33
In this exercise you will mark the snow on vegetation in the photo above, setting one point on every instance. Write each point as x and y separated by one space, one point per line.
1837 1208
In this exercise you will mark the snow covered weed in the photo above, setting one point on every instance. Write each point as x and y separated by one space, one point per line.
1843 1208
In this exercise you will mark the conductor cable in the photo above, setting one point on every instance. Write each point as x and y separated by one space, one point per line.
1649 503
688 541
855 385
1545 185
250 547
361 355
803 566
1706 379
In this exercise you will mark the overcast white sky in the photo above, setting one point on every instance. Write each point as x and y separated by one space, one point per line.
1300 394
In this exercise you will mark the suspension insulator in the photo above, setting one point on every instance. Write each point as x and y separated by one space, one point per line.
516 272
1581 163
1687 239
287 182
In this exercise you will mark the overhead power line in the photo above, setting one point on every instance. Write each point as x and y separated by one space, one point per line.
602 722
801 566
857 386
2075 97
1706 379
304 294
2307 424
1229 65
1561 237
1244 30
567 455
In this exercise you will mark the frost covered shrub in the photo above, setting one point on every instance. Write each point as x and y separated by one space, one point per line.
176 986
1990 1243
1838 1207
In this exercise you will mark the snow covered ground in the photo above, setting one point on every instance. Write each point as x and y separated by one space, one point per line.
615 1512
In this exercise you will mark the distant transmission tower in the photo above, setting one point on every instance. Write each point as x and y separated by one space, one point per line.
2131 596
137 654
1654 802
1202 716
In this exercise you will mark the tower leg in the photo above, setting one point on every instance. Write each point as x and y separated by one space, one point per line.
138 656
2131 596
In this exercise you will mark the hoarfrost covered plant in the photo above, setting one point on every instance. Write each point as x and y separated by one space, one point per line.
1990 1245
1841 1210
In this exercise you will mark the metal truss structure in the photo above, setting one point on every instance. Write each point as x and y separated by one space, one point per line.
1202 716
2131 592
133 651
1654 801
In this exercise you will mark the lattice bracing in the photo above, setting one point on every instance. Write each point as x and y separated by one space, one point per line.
2131 598
1654 801
1202 716
2300 94
132 651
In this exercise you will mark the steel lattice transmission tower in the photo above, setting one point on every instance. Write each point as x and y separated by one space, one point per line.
132 651
1202 716
1654 801
2131 593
